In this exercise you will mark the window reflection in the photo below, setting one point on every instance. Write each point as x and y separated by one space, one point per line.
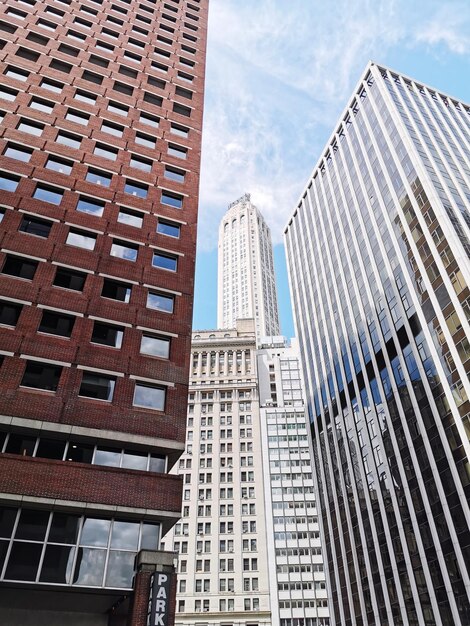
95 532
89 568
120 569
125 535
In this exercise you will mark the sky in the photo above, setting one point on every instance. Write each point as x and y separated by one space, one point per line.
279 74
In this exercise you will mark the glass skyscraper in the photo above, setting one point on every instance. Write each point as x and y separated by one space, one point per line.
378 257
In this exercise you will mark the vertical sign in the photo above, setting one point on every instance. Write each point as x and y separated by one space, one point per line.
159 599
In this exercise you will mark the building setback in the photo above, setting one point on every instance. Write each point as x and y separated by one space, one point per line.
101 115
246 281
378 257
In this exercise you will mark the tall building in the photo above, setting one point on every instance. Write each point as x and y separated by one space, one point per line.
221 538
246 280
101 108
378 257
298 593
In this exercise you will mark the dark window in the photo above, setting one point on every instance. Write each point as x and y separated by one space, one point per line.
107 334
92 77
118 109
181 110
32 128
183 93
71 51
170 229
61 66
98 177
97 386
98 61
8 28
50 449
85 96
79 452
35 226
115 290
177 129
9 312
24 560
127 71
53 569
165 261
25 53
77 117
20 267
152 99
41 376
42 41
51 85
20 444
156 82
59 165
102 45
69 279
48 194
54 323
20 153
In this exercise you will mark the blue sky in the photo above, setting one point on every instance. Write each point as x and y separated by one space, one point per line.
279 74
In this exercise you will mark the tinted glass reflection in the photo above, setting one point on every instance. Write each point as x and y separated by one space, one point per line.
107 456
95 532
120 569
89 568
64 528
24 561
57 564
149 537
125 535
32 525
7 521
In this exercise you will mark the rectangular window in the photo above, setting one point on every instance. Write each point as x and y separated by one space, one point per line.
160 301
77 117
145 140
32 128
165 261
98 177
41 376
35 226
118 109
115 290
90 205
85 96
131 218
149 120
112 129
69 279
60 66
9 313
59 165
172 173
107 335
154 345
48 194
20 267
51 85
67 139
179 109
172 199
170 229
81 239
97 386
8 94
177 129
136 189
177 151
105 152
145 165
92 77
16 73
124 250
54 323
149 397
19 153
8 182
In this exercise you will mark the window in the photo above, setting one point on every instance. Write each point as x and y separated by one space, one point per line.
54 323
8 182
85 96
92 77
177 151
105 152
107 335
149 397
35 226
98 177
97 386
90 205
116 290
20 153
96 60
60 66
154 345
184 93
8 94
70 50
165 261
81 239
59 165
20 267
145 140
78 117
41 376
172 199
118 109
16 73
170 229
9 313
179 109
131 218
150 120
172 173
51 85
67 139
48 194
112 129
124 250
127 90
32 128
177 129
140 163
136 189
69 279
160 301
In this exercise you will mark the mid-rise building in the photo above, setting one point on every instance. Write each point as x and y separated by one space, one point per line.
101 116
246 280
378 257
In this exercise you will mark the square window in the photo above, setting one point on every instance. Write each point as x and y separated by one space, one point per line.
48 194
81 239
131 218
160 301
115 290
124 250
41 376
149 397
165 261
69 279
97 386
136 189
170 229
155 345
59 165
35 226
20 153
107 335
54 323
90 205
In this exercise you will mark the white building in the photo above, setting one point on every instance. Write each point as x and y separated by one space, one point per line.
246 280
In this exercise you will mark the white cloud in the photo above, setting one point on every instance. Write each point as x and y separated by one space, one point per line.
279 74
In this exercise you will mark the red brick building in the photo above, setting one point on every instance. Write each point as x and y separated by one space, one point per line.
101 114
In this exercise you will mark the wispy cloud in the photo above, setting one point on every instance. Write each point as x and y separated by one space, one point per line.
279 73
